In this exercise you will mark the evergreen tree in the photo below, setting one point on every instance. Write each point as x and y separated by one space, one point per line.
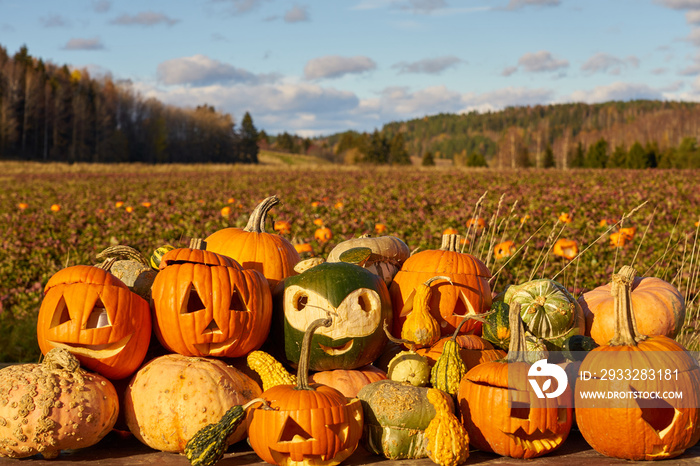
476 159
249 140
548 161
619 157
398 155
597 155
428 160
637 157
577 158
378 149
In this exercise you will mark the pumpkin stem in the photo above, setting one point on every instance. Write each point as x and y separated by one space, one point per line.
450 243
626 332
517 346
107 264
305 356
198 243
399 341
122 251
480 318
256 222
264 402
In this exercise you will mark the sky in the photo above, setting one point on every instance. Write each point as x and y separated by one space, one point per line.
318 67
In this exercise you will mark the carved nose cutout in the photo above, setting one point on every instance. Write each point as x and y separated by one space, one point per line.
236 301
293 432
520 410
211 328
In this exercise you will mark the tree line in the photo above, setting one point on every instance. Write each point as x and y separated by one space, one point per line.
52 113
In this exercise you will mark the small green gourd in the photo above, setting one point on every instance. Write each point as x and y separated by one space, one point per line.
449 367
208 445
496 329
407 366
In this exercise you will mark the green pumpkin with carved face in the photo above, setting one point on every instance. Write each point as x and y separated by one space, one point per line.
358 302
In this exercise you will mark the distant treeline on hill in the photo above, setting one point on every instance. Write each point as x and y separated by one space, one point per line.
52 113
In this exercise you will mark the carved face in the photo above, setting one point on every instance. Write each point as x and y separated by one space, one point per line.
91 313
467 292
314 427
503 414
209 306
357 300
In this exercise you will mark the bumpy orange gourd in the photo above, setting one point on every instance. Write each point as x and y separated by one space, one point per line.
53 406
173 396
270 254
349 381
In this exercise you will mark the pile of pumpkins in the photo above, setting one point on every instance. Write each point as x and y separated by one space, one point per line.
408 355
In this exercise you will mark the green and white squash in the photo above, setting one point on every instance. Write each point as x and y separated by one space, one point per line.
548 310
359 303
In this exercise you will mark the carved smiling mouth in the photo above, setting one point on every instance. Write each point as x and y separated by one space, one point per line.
538 440
94 351
338 350
213 348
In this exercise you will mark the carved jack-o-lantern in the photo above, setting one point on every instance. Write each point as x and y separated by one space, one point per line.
95 316
503 413
207 305
356 299
467 292
306 424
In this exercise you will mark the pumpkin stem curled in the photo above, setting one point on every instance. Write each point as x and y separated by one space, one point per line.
399 341
626 332
305 356
479 318
256 222
107 264
122 251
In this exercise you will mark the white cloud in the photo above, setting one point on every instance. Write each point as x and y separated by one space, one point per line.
335 66
200 70
693 17
517 4
296 14
615 91
422 6
680 4
428 65
239 7
101 6
54 21
84 44
606 63
145 18
541 61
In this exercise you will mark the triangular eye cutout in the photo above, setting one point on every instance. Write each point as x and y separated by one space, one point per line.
98 316
463 307
658 413
61 314
293 432
236 301
193 302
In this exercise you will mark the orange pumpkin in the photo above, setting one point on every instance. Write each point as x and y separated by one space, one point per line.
323 234
476 223
283 227
304 247
473 350
206 304
450 231
467 292
566 248
630 426
659 309
95 316
349 381
308 423
270 254
504 249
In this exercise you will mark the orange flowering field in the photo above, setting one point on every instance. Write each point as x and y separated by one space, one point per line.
576 226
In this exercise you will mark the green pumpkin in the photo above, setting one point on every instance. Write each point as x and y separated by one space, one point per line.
548 310
496 329
395 418
158 254
576 347
356 299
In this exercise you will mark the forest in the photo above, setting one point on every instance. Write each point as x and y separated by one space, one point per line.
54 113
62 114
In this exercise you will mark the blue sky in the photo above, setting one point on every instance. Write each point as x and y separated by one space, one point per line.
317 67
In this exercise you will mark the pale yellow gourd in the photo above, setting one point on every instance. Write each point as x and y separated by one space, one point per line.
448 441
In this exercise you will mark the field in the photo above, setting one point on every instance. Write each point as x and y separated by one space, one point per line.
55 216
